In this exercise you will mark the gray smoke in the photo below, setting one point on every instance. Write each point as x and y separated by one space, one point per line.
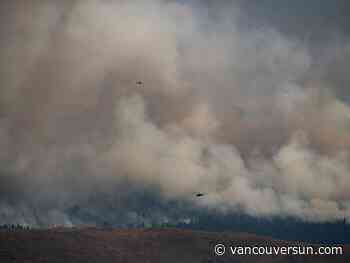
251 116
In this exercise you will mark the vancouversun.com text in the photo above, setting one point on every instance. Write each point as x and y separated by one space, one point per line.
221 250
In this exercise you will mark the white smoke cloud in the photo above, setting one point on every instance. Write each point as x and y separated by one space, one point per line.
232 112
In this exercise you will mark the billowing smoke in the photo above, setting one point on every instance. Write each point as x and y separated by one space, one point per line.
124 110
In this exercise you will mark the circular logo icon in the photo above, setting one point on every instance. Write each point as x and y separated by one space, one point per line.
219 249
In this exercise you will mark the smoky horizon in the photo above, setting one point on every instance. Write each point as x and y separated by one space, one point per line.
154 111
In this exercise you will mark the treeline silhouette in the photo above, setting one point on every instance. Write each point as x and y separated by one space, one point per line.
279 228
337 232
289 229
14 227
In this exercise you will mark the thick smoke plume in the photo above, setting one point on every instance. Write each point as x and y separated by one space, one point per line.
123 110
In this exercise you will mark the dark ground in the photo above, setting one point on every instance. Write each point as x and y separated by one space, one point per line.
87 245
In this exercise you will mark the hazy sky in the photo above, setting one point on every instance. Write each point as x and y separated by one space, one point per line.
246 101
